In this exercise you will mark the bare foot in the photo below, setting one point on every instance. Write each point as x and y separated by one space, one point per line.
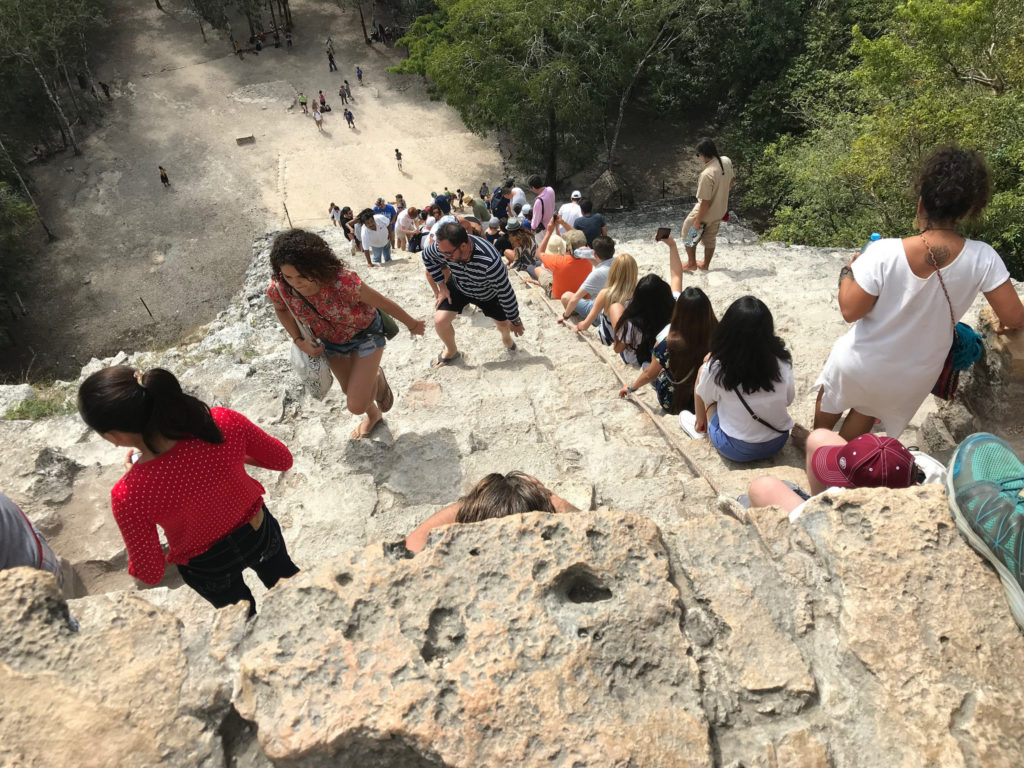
702 265
798 434
364 429
688 267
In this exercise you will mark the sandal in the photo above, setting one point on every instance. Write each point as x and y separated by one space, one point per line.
441 361
388 400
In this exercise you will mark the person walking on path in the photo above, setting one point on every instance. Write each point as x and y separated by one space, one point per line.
342 94
329 46
398 158
303 103
318 118
348 89
465 269
323 101
312 284
350 118
359 74
331 65
186 473
163 176
713 187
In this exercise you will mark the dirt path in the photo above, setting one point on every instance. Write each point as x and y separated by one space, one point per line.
181 103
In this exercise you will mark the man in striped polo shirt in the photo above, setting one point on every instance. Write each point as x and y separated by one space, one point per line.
466 269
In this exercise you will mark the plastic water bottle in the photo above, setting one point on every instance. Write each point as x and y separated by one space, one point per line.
693 236
874 236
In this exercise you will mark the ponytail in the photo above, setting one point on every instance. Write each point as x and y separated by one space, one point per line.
707 148
149 403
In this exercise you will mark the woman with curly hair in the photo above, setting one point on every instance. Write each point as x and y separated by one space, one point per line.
904 296
185 472
744 389
314 285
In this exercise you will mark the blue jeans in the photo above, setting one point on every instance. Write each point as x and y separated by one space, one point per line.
381 254
740 450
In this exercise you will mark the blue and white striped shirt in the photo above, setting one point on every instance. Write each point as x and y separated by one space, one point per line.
483 277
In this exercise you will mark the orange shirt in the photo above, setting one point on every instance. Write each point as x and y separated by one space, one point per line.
568 272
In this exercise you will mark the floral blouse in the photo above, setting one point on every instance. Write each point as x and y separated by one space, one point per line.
339 314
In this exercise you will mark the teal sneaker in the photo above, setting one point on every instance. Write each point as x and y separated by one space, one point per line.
984 482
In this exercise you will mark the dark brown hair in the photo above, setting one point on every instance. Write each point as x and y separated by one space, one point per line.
689 340
500 495
310 254
149 403
953 183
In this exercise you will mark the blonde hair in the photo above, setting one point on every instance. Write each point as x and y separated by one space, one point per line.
556 244
622 277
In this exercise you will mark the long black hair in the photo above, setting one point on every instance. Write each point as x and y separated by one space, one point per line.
649 311
689 340
149 403
747 349
707 148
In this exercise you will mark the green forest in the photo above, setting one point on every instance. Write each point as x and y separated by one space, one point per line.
826 106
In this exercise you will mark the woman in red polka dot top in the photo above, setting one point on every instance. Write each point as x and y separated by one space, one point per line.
186 474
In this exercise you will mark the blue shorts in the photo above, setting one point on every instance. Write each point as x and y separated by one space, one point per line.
740 450
583 307
366 342
381 253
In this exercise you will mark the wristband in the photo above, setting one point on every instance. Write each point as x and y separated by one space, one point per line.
629 388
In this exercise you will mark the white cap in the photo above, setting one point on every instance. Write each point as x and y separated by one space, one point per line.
576 194
527 208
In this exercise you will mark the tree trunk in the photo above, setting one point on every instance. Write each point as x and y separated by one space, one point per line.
24 188
64 124
286 12
362 21
85 65
273 18
252 26
71 91
552 168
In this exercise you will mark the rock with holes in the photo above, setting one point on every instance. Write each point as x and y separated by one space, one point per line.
534 640
134 685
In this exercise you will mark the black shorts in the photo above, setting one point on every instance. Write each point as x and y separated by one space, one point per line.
458 301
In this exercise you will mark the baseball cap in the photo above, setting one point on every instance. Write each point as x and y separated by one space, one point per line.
576 195
868 461
527 208
380 201
513 225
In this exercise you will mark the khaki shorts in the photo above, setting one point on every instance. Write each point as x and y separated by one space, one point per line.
710 229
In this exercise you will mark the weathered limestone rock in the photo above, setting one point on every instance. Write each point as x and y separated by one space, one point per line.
134 686
610 192
530 640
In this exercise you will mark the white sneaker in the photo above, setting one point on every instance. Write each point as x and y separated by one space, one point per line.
688 421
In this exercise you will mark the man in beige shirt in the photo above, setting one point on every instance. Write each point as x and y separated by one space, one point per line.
713 187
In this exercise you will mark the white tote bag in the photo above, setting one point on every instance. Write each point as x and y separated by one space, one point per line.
313 372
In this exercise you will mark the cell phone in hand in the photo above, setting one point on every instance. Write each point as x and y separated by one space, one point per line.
662 233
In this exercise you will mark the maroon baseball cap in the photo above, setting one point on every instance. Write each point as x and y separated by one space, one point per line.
868 461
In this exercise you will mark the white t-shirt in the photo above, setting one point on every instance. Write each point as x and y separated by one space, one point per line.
437 226
404 221
379 237
887 363
569 213
336 215
733 417
597 278
518 197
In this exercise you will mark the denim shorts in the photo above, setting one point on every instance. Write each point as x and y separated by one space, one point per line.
583 307
740 450
366 342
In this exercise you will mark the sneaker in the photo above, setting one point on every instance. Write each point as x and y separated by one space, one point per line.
984 482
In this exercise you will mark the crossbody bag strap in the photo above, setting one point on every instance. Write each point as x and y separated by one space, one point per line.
301 325
938 272
757 418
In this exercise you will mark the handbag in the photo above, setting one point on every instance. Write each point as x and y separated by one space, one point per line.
965 350
313 372
390 325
